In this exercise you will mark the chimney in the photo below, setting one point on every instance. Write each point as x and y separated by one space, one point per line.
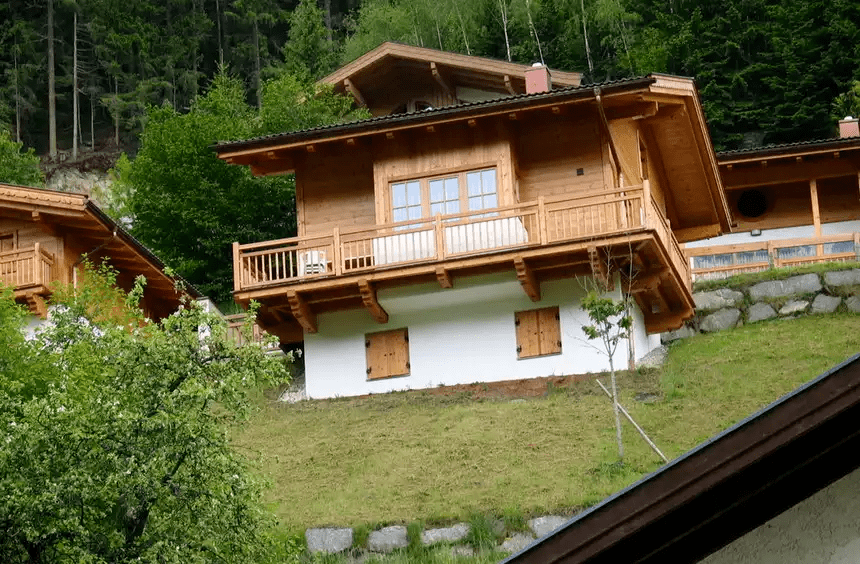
848 127
538 80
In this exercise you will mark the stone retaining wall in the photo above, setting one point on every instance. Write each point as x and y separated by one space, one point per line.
806 294
388 539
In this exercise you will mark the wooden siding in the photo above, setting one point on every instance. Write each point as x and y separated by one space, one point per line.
788 205
28 234
335 190
452 149
549 152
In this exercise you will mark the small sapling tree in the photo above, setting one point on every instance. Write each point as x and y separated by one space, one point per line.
610 324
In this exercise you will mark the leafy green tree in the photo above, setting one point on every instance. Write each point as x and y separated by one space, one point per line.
16 165
121 453
308 50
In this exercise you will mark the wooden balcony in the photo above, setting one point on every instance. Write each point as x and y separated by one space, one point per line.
28 272
721 261
235 323
590 234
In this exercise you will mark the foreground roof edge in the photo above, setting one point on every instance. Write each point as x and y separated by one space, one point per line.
827 392
788 149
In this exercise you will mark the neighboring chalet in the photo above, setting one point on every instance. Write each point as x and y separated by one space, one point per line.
781 486
792 204
445 240
45 236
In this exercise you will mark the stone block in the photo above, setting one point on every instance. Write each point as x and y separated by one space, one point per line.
853 303
717 299
462 551
760 312
842 277
825 304
682 333
447 534
803 284
388 539
794 306
542 526
721 320
328 540
516 542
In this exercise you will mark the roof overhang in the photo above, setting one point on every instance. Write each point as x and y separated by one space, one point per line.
726 486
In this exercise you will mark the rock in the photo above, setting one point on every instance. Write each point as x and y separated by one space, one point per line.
328 540
803 284
717 299
388 539
542 526
646 397
682 333
447 534
842 277
654 358
825 304
853 304
721 320
760 312
516 542
794 306
463 551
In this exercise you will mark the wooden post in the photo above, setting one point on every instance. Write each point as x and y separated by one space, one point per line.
857 245
336 251
543 239
646 202
237 268
37 259
816 217
440 238
772 255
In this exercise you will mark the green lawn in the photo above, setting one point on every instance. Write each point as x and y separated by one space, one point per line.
415 456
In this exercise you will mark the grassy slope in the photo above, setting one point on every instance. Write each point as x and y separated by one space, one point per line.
413 456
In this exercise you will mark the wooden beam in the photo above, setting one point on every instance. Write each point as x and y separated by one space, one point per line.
599 268
368 296
472 123
302 311
444 277
351 88
639 110
509 86
699 232
437 75
786 171
37 305
813 197
527 278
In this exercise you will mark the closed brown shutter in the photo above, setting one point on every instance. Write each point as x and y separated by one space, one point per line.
538 332
387 354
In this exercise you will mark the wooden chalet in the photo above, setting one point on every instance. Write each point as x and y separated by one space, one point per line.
791 204
535 180
45 235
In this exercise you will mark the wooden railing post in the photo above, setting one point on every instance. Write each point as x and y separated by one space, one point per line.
857 242
37 260
542 232
237 268
772 255
440 237
646 203
336 250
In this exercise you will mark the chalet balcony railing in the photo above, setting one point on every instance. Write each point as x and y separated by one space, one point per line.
235 323
21 268
530 224
722 261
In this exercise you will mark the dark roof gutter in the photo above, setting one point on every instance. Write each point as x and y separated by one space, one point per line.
724 487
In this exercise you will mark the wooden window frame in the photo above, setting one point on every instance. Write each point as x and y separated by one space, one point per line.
424 186
13 235
387 354
538 332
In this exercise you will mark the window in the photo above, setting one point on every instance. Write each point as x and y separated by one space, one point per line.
538 332
387 354
7 241
448 194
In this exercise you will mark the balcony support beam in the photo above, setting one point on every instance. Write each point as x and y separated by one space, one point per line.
302 311
600 268
527 278
444 277
368 297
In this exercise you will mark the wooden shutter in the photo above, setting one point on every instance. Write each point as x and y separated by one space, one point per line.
538 332
387 354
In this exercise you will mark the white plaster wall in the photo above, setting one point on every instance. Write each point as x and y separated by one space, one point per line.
456 336
802 231
822 529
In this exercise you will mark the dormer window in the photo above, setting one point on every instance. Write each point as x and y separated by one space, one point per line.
444 195
412 106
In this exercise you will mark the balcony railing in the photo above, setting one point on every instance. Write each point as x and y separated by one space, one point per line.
531 224
22 268
235 323
722 261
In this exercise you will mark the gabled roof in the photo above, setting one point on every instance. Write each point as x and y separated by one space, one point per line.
726 486
82 219
368 72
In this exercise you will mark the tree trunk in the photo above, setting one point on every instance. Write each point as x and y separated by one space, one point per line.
52 92
116 111
327 14
220 35
616 411
462 26
258 86
585 35
534 31
503 10
17 98
76 112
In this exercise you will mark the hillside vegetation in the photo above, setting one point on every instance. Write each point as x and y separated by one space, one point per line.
439 458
